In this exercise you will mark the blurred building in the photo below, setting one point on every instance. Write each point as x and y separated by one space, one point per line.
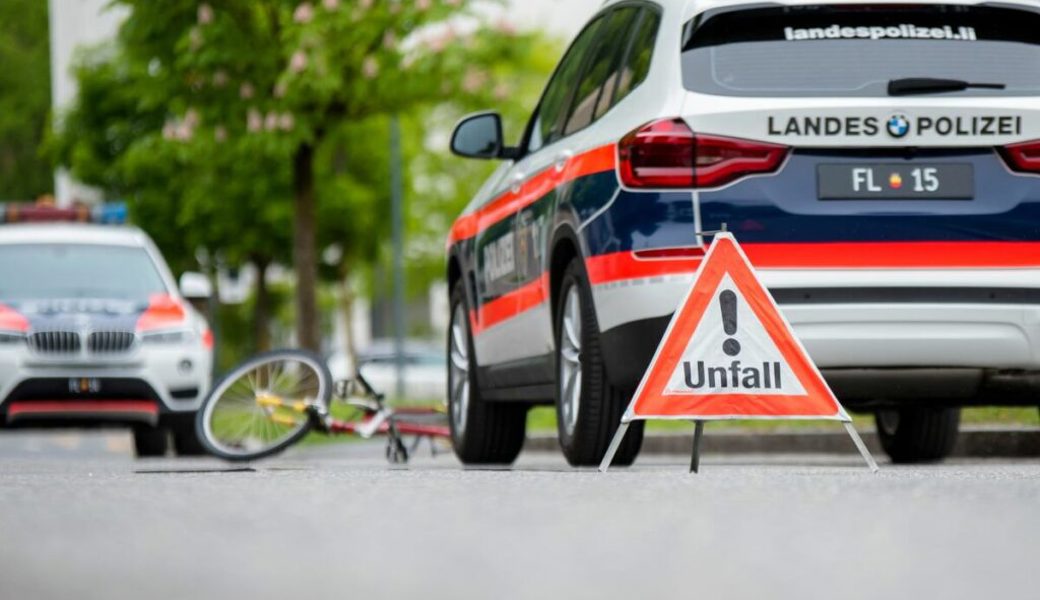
74 24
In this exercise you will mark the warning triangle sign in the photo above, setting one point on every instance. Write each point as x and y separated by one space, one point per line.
728 353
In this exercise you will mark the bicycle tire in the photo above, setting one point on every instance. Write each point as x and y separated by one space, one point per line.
214 443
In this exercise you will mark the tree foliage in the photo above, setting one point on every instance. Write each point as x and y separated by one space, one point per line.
201 114
24 99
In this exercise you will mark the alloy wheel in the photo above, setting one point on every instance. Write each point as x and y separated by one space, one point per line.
458 370
570 361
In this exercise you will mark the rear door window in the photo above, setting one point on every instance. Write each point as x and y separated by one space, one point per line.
855 50
637 63
613 39
549 121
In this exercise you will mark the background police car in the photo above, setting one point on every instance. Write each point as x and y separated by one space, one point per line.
94 332
916 295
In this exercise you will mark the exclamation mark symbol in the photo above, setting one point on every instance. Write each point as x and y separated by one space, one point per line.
728 302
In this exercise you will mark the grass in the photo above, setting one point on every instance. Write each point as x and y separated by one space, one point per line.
1001 415
543 420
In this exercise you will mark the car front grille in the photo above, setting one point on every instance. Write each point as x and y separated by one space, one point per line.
63 343
54 342
110 342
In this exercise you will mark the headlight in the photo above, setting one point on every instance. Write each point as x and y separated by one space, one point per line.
11 337
177 336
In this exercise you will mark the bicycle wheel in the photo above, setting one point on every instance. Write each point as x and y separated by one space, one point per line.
262 406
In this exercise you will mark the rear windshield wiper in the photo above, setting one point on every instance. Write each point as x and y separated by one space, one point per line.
930 85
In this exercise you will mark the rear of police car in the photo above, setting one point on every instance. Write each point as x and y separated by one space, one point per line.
880 163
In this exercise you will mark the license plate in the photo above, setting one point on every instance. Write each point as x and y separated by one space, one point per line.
84 385
896 182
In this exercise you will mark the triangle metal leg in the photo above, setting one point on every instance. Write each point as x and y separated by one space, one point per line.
861 447
613 448
698 435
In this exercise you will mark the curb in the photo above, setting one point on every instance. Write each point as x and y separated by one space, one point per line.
979 442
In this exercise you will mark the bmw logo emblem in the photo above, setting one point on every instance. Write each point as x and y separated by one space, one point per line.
898 126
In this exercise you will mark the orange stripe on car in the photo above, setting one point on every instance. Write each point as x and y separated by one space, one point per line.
510 305
621 266
594 161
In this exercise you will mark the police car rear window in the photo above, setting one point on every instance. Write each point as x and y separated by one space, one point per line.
856 50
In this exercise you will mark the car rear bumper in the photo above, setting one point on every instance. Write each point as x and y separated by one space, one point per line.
995 336
858 334
629 348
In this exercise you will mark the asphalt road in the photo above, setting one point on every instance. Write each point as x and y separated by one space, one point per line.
80 519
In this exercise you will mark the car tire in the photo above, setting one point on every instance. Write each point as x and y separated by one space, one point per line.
186 441
918 435
482 432
588 407
150 442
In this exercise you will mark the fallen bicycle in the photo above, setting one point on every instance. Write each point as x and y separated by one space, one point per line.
271 401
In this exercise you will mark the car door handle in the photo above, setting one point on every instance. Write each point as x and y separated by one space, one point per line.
562 159
517 183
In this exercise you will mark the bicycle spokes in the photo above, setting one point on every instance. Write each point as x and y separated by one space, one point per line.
265 405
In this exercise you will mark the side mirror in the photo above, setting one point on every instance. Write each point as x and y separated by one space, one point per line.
195 286
480 136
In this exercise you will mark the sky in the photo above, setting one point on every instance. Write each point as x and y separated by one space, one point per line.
559 17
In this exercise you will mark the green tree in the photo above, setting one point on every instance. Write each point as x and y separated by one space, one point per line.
24 99
295 72
197 117
212 194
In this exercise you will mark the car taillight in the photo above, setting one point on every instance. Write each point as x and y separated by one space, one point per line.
668 154
657 155
1024 157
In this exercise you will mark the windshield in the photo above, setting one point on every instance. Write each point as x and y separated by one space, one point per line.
49 271
856 50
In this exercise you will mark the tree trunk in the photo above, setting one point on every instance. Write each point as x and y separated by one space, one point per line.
261 308
305 255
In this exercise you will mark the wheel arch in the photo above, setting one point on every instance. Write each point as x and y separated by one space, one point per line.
565 248
454 272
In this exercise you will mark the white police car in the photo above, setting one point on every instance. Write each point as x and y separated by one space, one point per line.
879 163
94 332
